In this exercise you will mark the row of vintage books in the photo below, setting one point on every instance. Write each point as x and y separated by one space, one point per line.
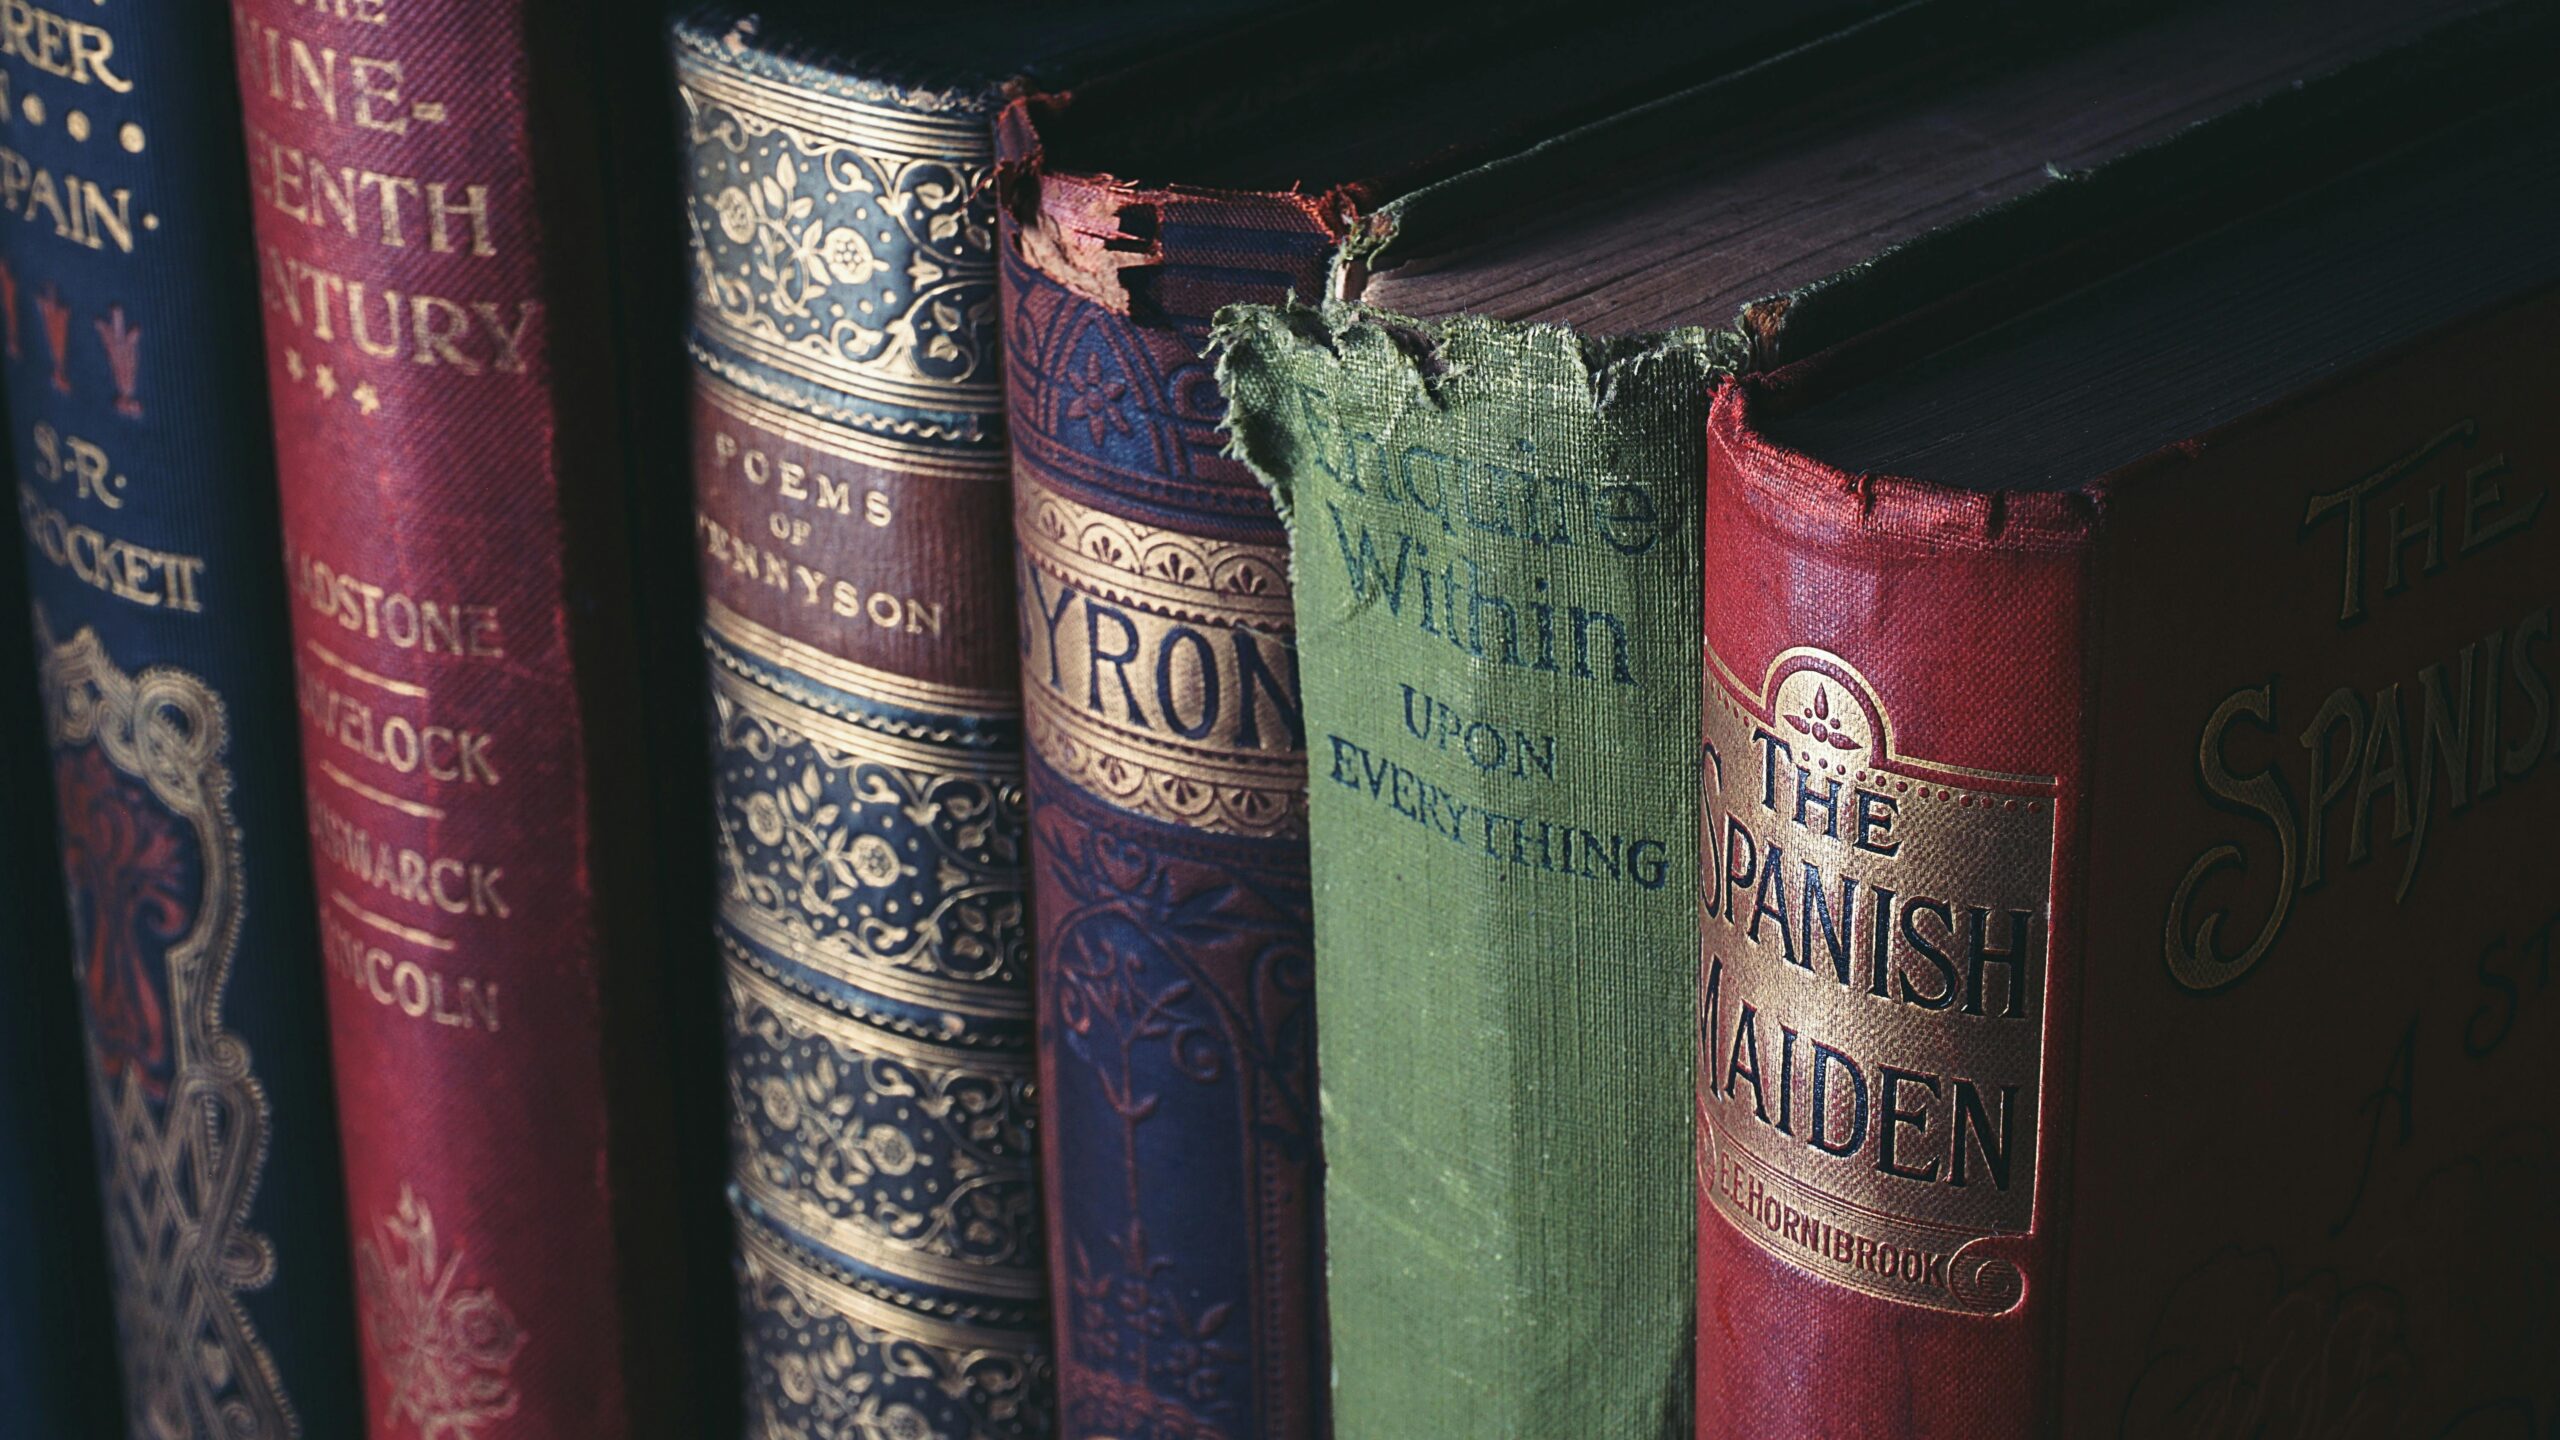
1247 719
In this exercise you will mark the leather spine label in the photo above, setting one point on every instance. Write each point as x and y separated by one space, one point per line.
881 575
1871 1015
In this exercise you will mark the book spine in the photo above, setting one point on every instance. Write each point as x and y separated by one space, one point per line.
1891 902
144 496
854 530
2322 1023
1497 592
432 267
2213 920
57 1335
1168 810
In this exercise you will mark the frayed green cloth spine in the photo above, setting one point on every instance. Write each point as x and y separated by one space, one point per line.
1495 533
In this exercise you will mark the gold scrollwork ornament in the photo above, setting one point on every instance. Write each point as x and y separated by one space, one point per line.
183 1154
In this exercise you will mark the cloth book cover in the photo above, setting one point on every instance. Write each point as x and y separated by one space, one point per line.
449 376
1168 743
145 500
57 1337
1176 971
2126 1000
1496 539
854 535
1496 557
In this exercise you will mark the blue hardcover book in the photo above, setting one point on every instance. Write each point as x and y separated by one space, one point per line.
145 501
56 1367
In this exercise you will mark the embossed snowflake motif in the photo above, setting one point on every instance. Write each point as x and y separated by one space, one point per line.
443 1352
1097 399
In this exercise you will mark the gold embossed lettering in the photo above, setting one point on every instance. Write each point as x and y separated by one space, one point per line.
391 210
68 49
398 618
137 574
356 12
363 91
1872 1020
1168 685
76 208
440 883
401 744
470 336
415 988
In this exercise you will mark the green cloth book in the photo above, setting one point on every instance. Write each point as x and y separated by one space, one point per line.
1487 447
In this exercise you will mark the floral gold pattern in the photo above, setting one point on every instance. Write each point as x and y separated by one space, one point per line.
846 243
886 863
873 924
910 1156
442 1350
153 861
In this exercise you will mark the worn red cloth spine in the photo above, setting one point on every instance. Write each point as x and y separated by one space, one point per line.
1813 573
2259 1146
432 266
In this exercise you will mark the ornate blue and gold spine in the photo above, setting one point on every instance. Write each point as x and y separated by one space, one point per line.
853 527
144 493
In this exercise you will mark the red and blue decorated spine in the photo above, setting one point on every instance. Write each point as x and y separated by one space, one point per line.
57 1342
1167 804
144 496
428 181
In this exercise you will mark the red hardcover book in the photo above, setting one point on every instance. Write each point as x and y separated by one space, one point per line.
435 263
2126 1001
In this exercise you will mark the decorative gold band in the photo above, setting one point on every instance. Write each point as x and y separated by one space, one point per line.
939 461
854 1047
866 1244
1183 576
856 122
1258 797
931 751
816 1017
1159 670
818 1289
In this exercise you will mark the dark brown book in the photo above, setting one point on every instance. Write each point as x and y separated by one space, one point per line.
2127 998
